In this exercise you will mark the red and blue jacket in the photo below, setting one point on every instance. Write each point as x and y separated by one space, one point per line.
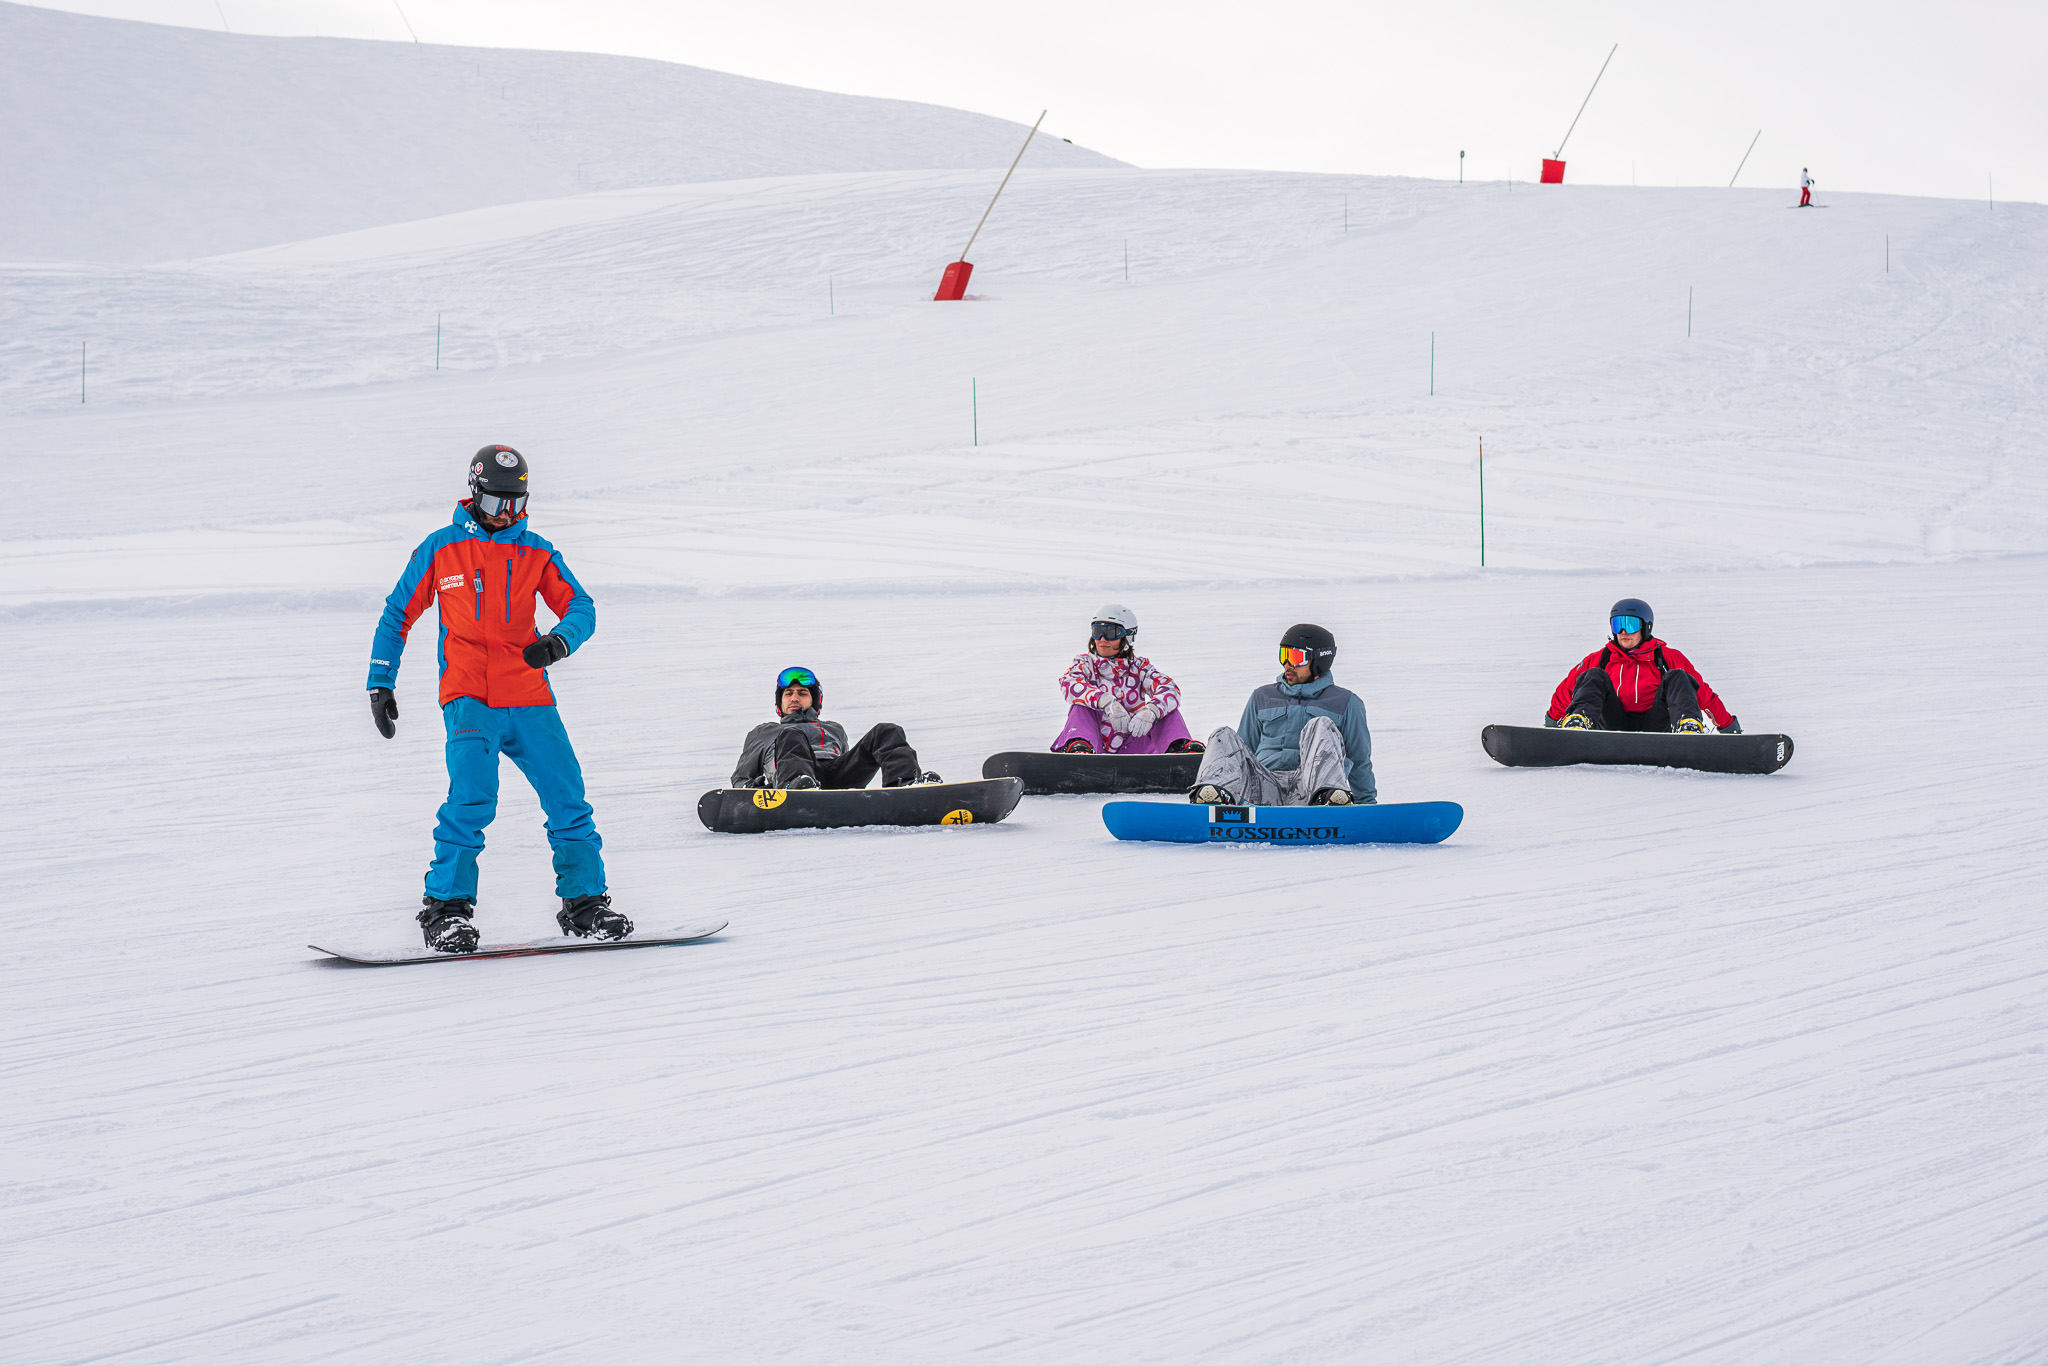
483 583
1637 675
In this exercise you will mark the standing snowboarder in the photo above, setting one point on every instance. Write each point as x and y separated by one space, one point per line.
1805 188
1636 682
483 572
1301 741
1117 702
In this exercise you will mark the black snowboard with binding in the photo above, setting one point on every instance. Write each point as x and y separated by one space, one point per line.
753 810
1045 773
1545 747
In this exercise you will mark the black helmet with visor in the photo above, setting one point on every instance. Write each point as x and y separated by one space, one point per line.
497 482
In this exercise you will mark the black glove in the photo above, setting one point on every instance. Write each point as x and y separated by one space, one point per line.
384 711
1734 726
549 649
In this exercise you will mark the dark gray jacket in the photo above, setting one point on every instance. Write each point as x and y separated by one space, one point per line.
757 756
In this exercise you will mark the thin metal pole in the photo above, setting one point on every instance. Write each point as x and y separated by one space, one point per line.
1887 253
1127 260
1688 310
974 397
831 298
1482 502
223 16
1582 103
437 341
407 22
1745 158
999 189
81 372
1461 168
1432 365
1347 213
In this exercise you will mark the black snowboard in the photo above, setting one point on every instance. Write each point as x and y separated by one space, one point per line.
1544 747
1045 773
559 945
751 810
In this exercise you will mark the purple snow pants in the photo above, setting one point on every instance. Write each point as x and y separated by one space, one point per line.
1086 723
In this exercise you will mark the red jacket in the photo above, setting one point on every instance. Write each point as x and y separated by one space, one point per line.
1637 674
483 584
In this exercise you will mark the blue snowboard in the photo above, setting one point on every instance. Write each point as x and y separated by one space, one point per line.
1184 823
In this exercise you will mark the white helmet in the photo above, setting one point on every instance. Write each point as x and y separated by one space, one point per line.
1119 616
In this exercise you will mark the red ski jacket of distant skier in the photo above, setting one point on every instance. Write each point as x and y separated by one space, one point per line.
484 583
1637 674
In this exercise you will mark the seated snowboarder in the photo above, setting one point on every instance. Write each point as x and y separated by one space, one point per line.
1636 682
1117 702
798 750
1302 739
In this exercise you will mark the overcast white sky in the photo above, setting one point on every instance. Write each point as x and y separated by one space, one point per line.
1916 98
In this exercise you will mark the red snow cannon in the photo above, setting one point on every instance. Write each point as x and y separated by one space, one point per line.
953 284
1553 171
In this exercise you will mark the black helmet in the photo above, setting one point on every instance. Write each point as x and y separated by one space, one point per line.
1320 644
797 676
1631 607
497 481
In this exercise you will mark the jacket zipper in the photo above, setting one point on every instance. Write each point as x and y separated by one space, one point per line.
479 595
508 590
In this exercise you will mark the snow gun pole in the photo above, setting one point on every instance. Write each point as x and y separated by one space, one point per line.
1559 155
999 189
1745 158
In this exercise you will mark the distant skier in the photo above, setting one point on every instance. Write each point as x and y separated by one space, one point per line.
1301 741
1118 703
1636 682
482 572
1805 188
799 750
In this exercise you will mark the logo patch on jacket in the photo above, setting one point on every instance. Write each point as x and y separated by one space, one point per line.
452 581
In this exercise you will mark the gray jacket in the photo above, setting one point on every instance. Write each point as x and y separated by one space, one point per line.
1275 714
757 757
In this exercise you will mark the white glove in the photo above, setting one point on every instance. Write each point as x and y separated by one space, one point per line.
1144 718
1113 712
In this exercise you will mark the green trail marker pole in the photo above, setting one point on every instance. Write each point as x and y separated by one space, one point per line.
1432 365
1482 502
974 398
437 341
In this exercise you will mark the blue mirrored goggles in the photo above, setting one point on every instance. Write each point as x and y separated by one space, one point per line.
797 677
1107 630
1625 626
498 504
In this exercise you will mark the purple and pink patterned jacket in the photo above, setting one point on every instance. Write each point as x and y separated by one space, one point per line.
1092 680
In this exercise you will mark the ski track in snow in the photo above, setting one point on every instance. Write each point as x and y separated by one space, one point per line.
1637 1067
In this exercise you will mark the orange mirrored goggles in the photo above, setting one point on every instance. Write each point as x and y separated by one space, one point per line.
1293 658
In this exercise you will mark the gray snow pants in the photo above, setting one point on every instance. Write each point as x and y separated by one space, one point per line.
1229 764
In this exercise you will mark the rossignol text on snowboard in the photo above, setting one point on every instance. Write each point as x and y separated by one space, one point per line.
1184 823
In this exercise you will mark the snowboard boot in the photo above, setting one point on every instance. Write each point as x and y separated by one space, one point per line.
1575 721
1688 725
446 925
1077 746
592 917
928 777
1187 747
1331 796
1208 794
802 782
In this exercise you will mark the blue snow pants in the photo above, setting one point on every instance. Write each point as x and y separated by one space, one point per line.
533 738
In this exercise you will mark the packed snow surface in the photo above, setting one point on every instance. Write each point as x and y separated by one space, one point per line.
1640 1066
141 142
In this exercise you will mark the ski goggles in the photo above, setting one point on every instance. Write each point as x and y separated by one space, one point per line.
1107 630
1292 657
798 677
498 504
1625 626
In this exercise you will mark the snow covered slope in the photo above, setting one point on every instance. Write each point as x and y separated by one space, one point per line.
1638 1067
138 142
